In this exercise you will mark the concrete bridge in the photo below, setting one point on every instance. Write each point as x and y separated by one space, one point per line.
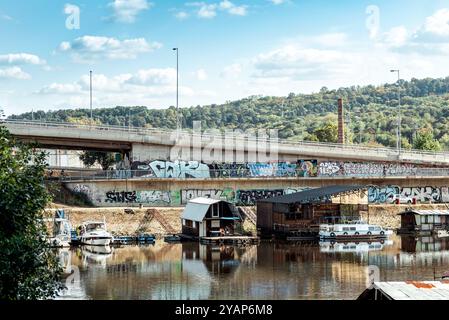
154 144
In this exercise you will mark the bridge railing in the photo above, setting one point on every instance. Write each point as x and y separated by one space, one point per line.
392 152
226 174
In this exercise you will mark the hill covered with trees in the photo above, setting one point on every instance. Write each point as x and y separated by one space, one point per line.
372 114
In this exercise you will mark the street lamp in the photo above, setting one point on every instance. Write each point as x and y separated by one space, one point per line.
399 142
177 88
91 112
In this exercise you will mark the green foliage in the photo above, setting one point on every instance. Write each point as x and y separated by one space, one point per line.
425 141
104 159
373 113
28 268
327 133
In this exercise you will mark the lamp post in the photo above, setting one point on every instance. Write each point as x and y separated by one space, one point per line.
399 142
177 88
91 112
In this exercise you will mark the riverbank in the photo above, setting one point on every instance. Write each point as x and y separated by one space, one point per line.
121 221
387 216
161 221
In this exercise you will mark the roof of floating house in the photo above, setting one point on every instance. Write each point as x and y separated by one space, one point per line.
196 209
412 290
427 212
313 194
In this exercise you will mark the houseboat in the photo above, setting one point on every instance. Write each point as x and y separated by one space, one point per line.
94 233
355 230
424 221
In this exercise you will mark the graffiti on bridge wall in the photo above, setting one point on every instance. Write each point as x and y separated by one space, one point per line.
195 169
250 197
363 169
389 194
181 197
169 169
189 194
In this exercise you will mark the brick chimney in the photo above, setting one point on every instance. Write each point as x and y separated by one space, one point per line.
341 122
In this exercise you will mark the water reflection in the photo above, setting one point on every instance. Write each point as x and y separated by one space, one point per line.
268 271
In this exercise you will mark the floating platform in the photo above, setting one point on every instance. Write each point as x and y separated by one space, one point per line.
133 239
230 240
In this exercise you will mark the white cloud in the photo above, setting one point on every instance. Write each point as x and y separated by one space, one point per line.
438 23
201 74
127 10
209 10
6 17
89 48
336 39
14 73
232 71
61 88
431 38
277 2
231 8
396 37
181 15
294 61
21 59
145 81
154 77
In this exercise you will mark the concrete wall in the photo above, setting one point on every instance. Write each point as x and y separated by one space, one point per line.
176 192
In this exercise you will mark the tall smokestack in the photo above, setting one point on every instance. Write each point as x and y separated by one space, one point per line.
341 122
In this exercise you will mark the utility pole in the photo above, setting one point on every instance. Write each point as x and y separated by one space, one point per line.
91 112
177 88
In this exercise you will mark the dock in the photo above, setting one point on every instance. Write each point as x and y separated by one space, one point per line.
247 240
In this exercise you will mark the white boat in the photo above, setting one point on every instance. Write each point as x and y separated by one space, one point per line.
355 247
94 233
61 233
352 230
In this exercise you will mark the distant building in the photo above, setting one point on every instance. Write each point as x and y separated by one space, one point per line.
204 217
302 213
424 221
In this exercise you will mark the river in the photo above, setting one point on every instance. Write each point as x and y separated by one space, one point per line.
271 270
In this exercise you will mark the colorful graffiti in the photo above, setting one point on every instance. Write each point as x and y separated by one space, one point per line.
364 169
194 169
154 197
307 168
186 195
389 194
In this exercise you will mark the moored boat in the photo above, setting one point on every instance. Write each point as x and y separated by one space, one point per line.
94 233
355 230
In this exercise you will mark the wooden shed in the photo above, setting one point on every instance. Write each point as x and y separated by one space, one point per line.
204 217
424 221
301 213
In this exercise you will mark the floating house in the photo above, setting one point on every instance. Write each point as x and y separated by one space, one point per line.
300 214
204 217
424 221
409 290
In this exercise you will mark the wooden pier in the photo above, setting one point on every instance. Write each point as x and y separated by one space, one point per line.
246 240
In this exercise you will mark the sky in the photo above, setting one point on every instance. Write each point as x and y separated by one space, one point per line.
228 49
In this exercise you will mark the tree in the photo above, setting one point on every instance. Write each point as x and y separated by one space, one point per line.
104 159
327 133
425 141
28 267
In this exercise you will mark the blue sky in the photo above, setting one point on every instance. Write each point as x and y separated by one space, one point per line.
228 49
